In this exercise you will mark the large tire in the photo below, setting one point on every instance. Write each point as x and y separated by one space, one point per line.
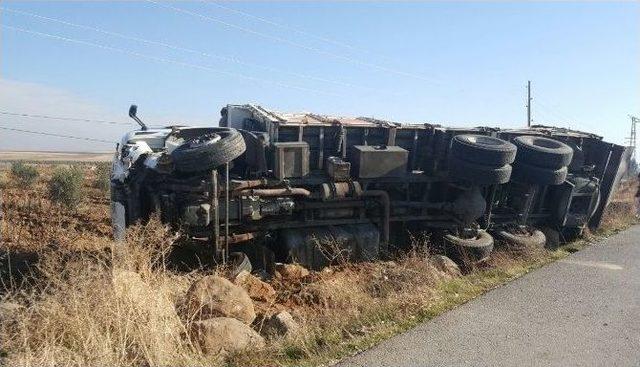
530 239
478 174
570 234
543 152
209 150
552 237
526 173
469 249
239 262
484 150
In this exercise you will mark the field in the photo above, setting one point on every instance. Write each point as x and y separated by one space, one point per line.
54 156
65 302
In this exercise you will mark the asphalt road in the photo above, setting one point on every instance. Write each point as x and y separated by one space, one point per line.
581 311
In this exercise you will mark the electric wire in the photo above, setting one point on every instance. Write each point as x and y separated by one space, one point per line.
286 27
293 43
74 119
165 60
56 135
182 49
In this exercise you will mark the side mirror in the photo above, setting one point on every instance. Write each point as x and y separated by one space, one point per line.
133 110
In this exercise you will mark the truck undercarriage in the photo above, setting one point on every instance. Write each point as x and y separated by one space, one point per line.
302 187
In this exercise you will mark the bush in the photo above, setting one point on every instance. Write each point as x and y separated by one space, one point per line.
65 186
24 174
103 176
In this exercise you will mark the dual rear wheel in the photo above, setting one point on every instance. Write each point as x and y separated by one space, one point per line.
481 160
541 161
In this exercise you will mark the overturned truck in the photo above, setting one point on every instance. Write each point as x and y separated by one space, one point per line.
305 187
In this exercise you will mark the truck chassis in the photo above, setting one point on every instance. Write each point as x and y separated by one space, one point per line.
300 186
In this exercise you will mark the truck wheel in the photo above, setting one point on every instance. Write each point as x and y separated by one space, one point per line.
239 262
526 173
469 249
570 234
552 238
543 152
208 151
481 149
528 239
478 174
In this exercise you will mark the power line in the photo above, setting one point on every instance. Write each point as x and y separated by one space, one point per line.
286 27
183 49
165 60
292 43
56 135
569 118
62 118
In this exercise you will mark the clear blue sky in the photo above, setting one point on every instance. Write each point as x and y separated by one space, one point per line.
461 64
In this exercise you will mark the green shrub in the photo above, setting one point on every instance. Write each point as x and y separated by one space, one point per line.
65 186
24 174
103 176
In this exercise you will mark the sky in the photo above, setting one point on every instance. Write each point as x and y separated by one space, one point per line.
451 63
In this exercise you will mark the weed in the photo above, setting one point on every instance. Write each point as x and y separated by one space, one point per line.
4 182
86 309
102 180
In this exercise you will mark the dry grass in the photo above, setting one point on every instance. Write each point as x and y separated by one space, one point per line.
86 309
622 211
82 305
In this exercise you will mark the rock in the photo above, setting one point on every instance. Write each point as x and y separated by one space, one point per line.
280 324
256 288
445 265
292 271
223 335
214 296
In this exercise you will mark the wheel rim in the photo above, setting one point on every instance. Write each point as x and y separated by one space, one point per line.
204 140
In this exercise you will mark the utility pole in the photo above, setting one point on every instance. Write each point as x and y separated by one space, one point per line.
528 103
632 136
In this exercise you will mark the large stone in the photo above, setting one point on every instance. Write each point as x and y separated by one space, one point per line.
256 288
292 271
214 296
280 324
223 335
445 265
